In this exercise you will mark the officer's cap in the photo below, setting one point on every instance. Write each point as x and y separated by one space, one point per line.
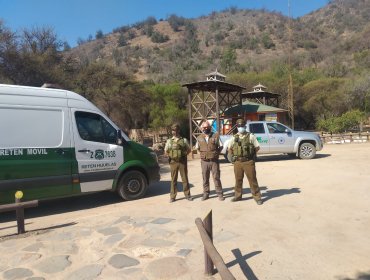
240 122
175 127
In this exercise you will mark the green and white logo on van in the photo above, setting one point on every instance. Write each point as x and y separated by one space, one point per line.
99 154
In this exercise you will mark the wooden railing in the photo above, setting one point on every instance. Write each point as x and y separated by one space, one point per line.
19 207
211 256
350 137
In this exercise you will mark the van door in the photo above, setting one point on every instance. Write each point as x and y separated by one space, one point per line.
281 138
258 129
97 152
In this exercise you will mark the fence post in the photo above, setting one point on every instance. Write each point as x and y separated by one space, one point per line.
19 212
207 222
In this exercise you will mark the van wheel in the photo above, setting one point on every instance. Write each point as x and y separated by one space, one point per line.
133 185
307 151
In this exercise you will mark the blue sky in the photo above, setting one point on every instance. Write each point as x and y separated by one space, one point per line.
72 19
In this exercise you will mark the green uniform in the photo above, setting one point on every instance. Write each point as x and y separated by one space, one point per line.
177 149
242 150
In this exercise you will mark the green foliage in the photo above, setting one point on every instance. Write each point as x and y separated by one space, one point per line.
348 120
122 40
99 35
228 60
158 37
168 105
267 41
176 22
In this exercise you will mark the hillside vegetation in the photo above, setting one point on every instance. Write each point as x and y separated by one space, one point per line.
135 71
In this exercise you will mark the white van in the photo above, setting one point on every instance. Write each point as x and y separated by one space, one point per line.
55 143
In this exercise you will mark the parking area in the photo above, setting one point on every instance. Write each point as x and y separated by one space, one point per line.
314 224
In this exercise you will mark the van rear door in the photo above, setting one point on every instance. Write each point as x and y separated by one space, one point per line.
97 152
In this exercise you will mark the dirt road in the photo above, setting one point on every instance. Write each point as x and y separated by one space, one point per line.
314 224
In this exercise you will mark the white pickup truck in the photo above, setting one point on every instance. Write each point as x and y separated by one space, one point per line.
276 138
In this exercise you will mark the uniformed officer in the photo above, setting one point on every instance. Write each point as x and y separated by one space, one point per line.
243 148
177 148
209 146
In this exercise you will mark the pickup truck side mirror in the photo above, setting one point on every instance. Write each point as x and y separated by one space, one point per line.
287 131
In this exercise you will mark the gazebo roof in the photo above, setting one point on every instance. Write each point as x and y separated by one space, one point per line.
251 107
213 85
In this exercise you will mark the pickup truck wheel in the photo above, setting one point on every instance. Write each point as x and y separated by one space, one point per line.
133 185
307 151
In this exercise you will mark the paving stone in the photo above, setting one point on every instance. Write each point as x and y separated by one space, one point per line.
157 243
61 236
161 221
109 231
21 259
36 278
53 264
87 272
84 232
166 268
8 243
62 248
122 219
183 252
120 261
34 247
17 273
114 238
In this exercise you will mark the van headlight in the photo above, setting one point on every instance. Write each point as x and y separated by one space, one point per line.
154 156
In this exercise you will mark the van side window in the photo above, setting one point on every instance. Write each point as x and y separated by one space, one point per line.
93 127
256 128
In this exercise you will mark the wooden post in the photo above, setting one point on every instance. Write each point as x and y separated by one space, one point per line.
208 264
212 252
19 212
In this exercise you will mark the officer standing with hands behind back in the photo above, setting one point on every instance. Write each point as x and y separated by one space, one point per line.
243 148
209 146
177 148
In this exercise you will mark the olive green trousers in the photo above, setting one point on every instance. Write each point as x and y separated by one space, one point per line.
181 167
249 169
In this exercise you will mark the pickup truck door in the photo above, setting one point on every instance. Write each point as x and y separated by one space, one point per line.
259 130
280 137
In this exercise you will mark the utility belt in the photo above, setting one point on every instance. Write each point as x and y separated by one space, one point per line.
242 159
210 160
182 159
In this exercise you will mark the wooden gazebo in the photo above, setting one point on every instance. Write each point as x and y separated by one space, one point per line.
209 99
262 96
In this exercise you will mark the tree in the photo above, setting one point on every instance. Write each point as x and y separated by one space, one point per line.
99 34
168 105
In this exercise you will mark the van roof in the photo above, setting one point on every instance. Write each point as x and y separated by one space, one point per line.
39 91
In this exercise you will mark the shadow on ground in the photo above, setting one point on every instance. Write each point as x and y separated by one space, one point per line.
359 276
279 157
242 262
266 193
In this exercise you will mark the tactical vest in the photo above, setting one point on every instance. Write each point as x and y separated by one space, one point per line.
177 149
243 147
209 150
